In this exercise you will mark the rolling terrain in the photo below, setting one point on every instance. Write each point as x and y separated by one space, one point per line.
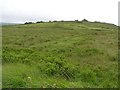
67 54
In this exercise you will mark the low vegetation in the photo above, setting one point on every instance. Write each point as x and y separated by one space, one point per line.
64 54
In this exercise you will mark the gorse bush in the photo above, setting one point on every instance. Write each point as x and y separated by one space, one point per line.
57 66
19 55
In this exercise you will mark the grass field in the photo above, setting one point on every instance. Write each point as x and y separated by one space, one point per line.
60 55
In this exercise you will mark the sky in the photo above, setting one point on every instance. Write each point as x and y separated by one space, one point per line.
19 11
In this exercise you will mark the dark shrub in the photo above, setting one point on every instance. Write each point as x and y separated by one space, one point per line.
28 22
76 21
39 22
84 20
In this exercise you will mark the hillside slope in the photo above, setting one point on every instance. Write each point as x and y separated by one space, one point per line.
60 54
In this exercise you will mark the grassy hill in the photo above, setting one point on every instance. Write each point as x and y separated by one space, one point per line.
60 54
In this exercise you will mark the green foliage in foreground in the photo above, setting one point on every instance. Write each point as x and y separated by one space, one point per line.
60 55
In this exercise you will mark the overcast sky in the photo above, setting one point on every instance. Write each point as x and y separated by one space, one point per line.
37 10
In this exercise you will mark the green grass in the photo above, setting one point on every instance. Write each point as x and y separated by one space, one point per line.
60 55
